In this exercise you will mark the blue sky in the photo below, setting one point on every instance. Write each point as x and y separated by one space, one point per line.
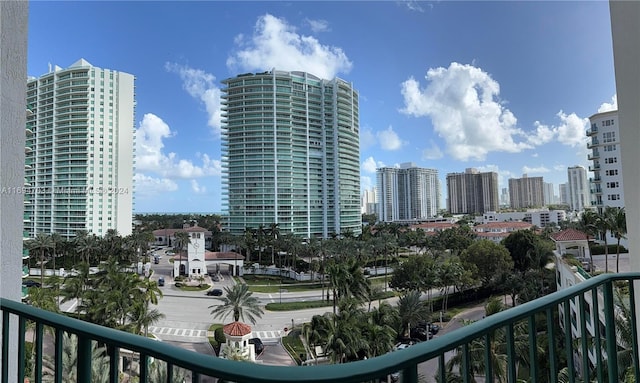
502 86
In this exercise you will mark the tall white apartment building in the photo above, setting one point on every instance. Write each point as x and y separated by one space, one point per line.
291 154
80 166
578 188
563 193
407 193
606 184
369 197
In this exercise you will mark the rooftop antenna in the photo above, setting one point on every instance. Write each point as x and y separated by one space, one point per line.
49 67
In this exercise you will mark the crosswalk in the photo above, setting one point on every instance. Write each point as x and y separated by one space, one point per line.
192 333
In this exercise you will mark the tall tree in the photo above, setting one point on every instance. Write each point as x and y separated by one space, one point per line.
41 246
239 303
604 225
618 227
488 260
411 309
182 240
588 224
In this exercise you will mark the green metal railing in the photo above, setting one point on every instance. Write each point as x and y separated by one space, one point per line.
538 318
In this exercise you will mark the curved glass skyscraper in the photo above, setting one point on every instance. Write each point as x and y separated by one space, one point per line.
291 154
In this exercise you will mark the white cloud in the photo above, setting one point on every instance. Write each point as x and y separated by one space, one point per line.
534 170
318 25
370 165
560 168
432 153
414 5
201 86
151 157
542 134
276 44
607 107
367 138
389 139
572 129
197 188
535 155
146 185
464 106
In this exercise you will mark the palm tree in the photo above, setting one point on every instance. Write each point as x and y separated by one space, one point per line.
589 225
140 317
411 310
618 227
41 245
604 225
99 362
238 302
183 239
75 285
158 373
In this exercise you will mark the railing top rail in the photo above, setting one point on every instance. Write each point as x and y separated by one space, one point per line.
349 372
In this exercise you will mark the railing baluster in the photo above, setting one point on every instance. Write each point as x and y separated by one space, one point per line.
5 345
584 341
551 340
195 377
568 340
37 363
598 336
84 358
610 332
169 372
511 354
58 355
442 368
467 371
112 352
22 329
144 367
533 349
409 374
634 327
488 366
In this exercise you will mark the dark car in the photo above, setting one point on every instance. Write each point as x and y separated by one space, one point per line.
160 281
420 334
214 293
30 283
257 344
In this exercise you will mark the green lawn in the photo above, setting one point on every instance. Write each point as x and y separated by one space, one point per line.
202 287
272 284
293 344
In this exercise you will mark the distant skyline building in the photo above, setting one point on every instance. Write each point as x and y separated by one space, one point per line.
407 193
369 205
563 193
472 192
549 194
291 154
526 192
80 166
606 165
578 188
504 197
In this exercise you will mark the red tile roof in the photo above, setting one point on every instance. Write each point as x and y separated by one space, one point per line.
236 329
569 235
514 225
217 255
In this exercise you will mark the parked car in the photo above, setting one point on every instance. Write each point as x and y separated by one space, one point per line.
257 344
214 293
160 281
421 334
30 283
215 278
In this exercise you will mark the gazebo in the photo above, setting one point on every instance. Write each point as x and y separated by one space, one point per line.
237 345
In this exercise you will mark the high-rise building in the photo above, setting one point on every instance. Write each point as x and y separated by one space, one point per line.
606 183
578 191
407 193
81 162
291 154
549 193
472 192
526 192
369 197
563 191
504 197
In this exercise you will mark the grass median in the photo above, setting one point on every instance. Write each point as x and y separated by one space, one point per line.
292 306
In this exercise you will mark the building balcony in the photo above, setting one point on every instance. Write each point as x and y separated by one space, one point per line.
533 335
592 144
25 253
25 271
592 131
593 156
594 167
